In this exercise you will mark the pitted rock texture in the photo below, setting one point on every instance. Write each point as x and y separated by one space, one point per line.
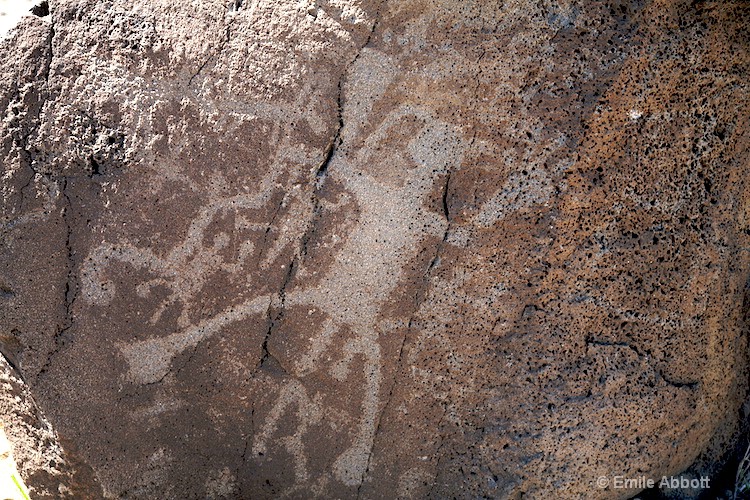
409 248
36 449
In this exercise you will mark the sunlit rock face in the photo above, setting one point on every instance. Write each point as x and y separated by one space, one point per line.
256 249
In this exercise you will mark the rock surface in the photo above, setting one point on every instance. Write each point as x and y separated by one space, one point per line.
35 448
342 248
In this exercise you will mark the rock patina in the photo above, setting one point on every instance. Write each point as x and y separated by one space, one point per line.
409 248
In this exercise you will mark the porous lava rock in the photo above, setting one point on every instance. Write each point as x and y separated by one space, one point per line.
378 249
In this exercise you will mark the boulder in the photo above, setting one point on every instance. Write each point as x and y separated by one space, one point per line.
345 248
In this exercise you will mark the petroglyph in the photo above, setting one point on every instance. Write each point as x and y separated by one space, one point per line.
150 360
351 294
309 412
339 249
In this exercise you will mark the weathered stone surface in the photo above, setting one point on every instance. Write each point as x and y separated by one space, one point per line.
35 447
409 248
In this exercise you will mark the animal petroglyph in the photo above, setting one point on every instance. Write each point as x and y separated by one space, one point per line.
352 293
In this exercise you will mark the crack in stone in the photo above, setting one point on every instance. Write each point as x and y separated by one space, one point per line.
243 460
71 290
387 404
419 298
321 173
50 52
422 294
447 214
275 215
593 341
273 323
235 5
227 37
319 179
245 448
679 385
23 141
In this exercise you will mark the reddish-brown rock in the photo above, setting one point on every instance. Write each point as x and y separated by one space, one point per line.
379 249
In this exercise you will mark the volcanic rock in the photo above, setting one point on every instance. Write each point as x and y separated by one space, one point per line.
345 248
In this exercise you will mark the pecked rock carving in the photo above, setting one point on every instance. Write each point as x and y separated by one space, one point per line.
344 249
